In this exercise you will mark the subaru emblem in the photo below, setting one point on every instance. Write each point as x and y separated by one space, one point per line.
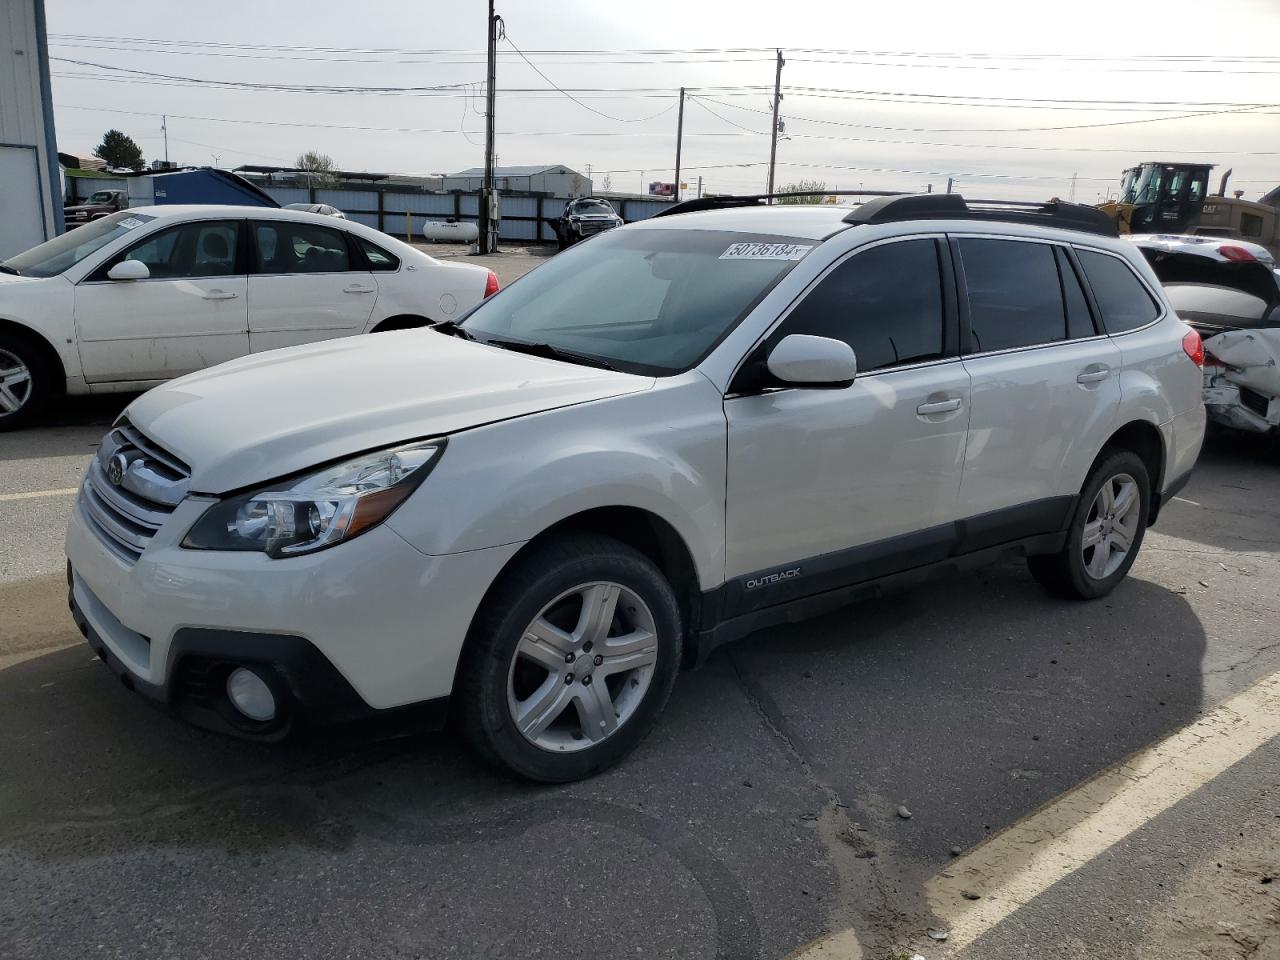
116 468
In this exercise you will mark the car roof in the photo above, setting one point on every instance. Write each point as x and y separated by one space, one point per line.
1200 246
815 222
191 210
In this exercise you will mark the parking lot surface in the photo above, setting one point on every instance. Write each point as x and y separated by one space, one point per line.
764 817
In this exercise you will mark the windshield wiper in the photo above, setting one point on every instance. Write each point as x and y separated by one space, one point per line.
451 328
551 352
8 269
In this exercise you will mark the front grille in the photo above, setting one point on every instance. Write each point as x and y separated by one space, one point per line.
595 226
126 512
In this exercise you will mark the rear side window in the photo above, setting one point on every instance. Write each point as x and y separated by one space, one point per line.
885 302
1015 294
378 258
1079 320
299 248
1123 300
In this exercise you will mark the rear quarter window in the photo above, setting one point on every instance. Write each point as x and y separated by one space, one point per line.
1122 298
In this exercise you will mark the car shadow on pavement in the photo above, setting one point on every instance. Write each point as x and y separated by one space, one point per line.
971 702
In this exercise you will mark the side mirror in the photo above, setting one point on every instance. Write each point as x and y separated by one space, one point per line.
129 270
813 361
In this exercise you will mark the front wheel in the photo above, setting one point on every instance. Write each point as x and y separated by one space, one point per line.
1106 531
571 660
25 383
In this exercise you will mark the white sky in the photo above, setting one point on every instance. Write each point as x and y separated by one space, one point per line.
546 127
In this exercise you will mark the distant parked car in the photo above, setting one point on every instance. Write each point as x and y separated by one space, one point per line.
1230 292
584 218
100 204
139 296
321 208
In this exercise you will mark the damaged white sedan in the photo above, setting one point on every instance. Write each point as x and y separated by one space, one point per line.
1229 290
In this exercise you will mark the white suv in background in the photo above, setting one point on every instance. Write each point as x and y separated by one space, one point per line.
690 428
150 293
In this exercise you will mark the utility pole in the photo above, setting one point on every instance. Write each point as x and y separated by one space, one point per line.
950 182
486 197
1073 188
679 138
773 141
699 186
164 125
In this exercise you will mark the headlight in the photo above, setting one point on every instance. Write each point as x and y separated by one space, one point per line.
323 508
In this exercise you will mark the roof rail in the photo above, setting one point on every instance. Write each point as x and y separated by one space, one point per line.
759 199
952 206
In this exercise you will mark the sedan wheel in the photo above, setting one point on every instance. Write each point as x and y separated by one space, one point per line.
25 382
15 382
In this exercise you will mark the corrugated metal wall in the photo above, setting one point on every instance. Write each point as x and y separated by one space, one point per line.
30 201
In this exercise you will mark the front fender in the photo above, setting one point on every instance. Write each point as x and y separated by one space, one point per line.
661 451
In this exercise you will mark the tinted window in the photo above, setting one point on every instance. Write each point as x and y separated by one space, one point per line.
646 301
1123 300
1079 321
205 249
378 258
885 302
1015 295
299 248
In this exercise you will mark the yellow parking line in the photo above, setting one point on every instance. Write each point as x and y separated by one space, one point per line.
34 494
1013 867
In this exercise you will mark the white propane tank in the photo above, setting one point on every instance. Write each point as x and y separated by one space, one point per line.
450 231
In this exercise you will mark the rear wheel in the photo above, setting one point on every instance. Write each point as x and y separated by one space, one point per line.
571 660
25 382
1106 531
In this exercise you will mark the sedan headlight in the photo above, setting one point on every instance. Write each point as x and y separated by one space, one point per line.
323 508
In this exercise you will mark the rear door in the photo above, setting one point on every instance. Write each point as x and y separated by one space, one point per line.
832 486
308 284
188 315
1046 386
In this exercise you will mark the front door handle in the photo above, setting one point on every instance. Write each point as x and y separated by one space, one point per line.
1094 374
219 295
939 406
357 288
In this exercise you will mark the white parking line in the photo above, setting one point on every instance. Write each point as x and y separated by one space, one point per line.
1185 500
1013 867
34 494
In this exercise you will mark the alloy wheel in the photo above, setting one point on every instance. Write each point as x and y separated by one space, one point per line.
1111 526
582 667
15 382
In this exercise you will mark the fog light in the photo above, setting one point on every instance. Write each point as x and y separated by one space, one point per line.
250 695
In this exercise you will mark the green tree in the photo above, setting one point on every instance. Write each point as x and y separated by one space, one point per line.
815 187
318 165
119 150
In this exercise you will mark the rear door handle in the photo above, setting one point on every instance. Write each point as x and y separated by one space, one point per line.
1093 374
939 406
357 288
219 295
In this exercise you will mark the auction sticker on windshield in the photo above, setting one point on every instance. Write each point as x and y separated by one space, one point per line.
130 222
766 251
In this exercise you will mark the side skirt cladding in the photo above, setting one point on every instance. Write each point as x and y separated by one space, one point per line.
807 588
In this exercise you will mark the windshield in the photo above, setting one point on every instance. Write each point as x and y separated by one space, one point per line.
644 301
591 206
102 196
62 253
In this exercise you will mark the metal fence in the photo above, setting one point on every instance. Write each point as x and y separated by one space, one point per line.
401 213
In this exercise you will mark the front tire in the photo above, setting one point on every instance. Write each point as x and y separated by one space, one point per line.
25 382
1106 531
571 660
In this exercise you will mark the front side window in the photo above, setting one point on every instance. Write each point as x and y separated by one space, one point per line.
651 301
1015 294
62 253
1123 300
885 302
205 249
299 248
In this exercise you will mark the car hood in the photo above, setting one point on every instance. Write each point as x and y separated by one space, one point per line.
272 414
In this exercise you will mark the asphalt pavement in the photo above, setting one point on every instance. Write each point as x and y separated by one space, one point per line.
761 819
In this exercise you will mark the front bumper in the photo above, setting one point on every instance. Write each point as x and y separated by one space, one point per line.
368 626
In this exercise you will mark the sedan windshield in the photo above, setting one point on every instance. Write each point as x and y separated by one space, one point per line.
645 301
102 196
62 253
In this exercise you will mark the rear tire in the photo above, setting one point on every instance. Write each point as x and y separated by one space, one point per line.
26 382
570 660
1105 532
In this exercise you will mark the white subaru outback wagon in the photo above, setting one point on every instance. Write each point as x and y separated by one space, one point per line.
676 433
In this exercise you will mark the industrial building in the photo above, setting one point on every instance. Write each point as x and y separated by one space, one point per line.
31 199
555 180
